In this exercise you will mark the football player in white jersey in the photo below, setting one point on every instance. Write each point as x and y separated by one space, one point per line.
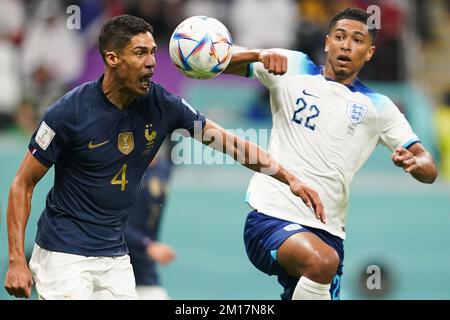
326 124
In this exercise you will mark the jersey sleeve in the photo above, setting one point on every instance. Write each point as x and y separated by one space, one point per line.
298 63
181 115
395 131
135 238
189 118
52 135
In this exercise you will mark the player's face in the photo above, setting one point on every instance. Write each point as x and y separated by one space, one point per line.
348 46
137 63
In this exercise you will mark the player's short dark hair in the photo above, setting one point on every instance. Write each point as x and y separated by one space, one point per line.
353 14
117 32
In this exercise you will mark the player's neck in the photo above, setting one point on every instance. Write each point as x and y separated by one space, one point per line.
115 92
329 73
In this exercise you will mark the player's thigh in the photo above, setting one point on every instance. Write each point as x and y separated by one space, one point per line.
116 281
60 276
263 236
305 250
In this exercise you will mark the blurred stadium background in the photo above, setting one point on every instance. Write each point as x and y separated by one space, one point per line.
394 222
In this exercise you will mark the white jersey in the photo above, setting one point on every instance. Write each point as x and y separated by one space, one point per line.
323 132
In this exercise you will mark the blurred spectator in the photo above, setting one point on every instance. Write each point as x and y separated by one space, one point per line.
312 29
12 16
447 6
313 26
442 119
423 20
388 63
142 231
23 122
52 54
163 15
218 9
94 14
264 23
26 119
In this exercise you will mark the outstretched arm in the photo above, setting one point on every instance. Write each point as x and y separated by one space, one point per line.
417 161
257 159
18 279
158 251
274 62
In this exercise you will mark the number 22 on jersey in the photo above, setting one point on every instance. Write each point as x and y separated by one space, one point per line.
304 115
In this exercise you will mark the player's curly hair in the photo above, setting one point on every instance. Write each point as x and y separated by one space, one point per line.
353 14
117 32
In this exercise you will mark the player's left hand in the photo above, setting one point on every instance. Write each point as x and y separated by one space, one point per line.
404 159
310 197
160 252
273 61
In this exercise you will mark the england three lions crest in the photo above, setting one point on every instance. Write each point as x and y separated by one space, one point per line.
356 111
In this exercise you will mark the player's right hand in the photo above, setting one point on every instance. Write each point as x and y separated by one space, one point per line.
18 281
160 252
273 61
310 197
405 159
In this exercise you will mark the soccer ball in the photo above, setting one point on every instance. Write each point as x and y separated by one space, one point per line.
201 47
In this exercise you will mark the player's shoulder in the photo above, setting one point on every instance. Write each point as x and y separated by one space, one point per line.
85 91
299 62
73 100
379 100
162 95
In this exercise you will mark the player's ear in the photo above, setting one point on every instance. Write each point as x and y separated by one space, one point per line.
327 39
111 59
370 53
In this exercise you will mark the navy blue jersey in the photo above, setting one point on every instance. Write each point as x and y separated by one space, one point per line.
100 154
144 221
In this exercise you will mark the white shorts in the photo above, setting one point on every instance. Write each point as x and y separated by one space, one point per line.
152 293
69 276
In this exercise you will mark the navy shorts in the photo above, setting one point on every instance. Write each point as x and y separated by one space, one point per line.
264 234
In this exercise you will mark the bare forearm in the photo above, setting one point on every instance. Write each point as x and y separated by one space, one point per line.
257 159
426 170
245 152
240 59
19 205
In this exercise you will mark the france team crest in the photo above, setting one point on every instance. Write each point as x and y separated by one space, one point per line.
356 111
125 142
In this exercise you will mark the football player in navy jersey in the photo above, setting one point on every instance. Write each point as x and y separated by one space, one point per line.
100 137
142 231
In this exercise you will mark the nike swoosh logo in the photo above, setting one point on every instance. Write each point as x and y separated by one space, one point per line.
93 146
309 94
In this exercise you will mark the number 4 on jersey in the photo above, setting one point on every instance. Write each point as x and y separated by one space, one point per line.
123 178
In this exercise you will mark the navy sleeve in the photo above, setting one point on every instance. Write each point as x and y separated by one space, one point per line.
181 115
189 118
52 136
136 238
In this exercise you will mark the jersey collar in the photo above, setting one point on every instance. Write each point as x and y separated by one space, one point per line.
351 86
111 106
